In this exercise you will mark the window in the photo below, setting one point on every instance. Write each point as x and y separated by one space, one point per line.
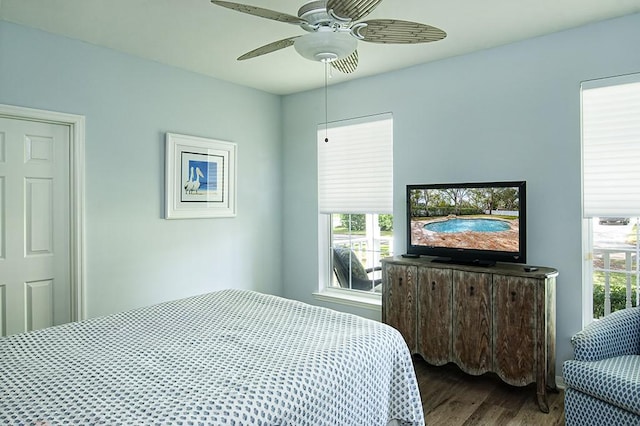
355 197
611 193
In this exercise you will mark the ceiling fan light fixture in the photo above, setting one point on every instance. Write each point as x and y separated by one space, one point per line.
325 46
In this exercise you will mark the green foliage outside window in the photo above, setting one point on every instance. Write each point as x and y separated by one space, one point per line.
358 222
618 290
386 222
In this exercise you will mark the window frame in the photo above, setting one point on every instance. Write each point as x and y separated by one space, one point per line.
327 293
588 270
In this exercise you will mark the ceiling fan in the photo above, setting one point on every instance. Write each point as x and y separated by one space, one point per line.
334 28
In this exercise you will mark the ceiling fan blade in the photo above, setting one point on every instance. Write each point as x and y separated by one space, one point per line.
393 31
258 11
348 64
268 48
352 9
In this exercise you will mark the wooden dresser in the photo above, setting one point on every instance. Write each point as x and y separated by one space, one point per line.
497 319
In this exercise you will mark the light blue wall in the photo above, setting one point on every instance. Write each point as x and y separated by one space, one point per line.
134 256
507 113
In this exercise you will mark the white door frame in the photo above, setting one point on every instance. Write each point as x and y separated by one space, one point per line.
76 192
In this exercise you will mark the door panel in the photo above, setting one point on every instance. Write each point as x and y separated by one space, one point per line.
515 329
435 314
39 216
3 237
34 225
400 298
3 304
472 322
39 304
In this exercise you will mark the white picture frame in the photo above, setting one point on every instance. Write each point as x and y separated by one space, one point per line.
200 177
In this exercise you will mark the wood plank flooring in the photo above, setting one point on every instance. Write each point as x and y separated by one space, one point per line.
451 397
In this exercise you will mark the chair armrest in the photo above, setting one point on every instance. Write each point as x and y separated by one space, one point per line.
377 268
614 335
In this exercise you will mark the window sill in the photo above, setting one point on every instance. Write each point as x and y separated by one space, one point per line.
372 301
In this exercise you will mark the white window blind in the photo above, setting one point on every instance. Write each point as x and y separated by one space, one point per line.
611 147
355 167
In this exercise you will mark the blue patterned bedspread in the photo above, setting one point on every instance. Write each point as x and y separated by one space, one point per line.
233 357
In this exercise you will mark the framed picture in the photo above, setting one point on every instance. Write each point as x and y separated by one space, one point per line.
200 177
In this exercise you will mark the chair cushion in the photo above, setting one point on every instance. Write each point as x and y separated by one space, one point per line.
613 380
357 270
581 409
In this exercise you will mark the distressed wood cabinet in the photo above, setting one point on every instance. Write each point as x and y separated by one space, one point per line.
498 319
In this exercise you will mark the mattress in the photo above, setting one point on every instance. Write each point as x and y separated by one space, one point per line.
232 357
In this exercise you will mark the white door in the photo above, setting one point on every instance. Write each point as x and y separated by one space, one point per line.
35 289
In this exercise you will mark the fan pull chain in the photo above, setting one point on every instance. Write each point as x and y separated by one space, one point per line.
326 103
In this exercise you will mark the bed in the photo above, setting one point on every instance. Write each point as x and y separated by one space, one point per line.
233 357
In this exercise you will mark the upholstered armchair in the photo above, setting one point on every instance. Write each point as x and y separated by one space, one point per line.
603 381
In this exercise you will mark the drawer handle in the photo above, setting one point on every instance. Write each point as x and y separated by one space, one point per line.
513 296
471 289
433 285
400 282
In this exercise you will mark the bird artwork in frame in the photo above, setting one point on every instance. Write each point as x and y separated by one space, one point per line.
200 177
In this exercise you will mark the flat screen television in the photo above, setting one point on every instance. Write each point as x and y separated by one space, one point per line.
470 223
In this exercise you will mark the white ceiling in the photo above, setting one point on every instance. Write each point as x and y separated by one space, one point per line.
207 39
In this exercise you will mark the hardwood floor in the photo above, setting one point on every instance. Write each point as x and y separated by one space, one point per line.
451 397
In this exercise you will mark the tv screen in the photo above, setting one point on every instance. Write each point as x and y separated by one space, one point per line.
478 223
